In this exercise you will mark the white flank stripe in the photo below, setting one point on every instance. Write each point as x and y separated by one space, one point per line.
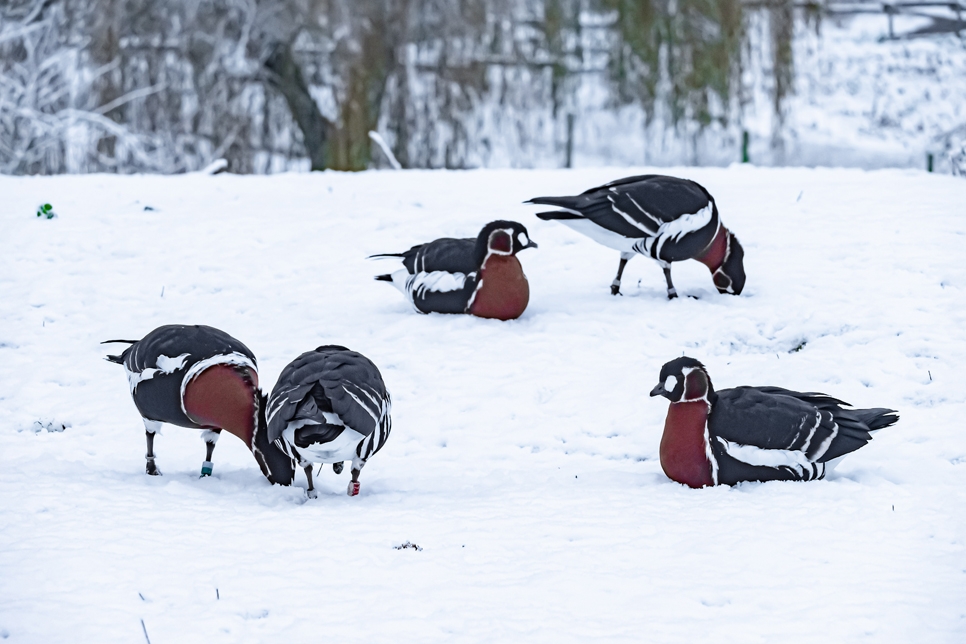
674 230
166 365
601 235
437 281
753 455
170 365
828 441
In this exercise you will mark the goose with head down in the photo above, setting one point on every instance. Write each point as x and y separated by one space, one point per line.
330 405
200 377
665 218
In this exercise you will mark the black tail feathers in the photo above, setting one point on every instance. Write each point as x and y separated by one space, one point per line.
877 418
557 214
562 202
383 278
117 359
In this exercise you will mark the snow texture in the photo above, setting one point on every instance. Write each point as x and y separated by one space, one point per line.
524 454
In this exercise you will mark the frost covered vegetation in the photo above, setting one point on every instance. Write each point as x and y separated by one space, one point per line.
171 85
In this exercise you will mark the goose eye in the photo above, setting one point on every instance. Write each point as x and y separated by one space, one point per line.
671 383
522 238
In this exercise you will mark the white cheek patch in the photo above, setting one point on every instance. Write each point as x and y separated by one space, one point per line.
670 383
522 238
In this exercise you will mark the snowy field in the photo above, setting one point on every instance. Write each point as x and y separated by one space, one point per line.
524 454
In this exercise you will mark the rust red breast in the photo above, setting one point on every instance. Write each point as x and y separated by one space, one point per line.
683 454
504 292
713 257
223 396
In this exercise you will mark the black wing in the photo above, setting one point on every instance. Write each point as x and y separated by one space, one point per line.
626 205
200 342
158 363
773 418
445 254
441 292
330 379
768 433
638 207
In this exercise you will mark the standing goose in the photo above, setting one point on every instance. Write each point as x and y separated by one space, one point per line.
754 433
329 406
666 218
481 276
200 377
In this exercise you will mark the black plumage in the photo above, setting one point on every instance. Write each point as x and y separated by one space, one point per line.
330 405
666 218
164 370
157 364
755 433
442 276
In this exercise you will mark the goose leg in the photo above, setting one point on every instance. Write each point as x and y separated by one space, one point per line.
151 427
210 436
671 291
311 492
615 286
354 483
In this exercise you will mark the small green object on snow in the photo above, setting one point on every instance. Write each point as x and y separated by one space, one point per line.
46 210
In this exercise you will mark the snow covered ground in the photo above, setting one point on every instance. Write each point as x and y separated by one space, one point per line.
524 455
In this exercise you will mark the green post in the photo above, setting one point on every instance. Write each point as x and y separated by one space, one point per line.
744 146
929 162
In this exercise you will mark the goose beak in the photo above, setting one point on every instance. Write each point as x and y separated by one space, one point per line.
659 390
532 244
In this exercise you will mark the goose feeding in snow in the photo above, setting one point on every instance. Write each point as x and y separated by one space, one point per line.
200 377
330 405
666 218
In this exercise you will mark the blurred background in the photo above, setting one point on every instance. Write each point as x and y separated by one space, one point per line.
171 86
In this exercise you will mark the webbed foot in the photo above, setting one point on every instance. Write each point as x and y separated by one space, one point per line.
150 467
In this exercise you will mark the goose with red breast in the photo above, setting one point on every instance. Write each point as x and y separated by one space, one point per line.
480 276
754 433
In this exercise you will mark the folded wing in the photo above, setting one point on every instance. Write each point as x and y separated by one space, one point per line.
330 388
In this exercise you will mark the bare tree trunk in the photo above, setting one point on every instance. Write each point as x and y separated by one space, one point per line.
284 74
